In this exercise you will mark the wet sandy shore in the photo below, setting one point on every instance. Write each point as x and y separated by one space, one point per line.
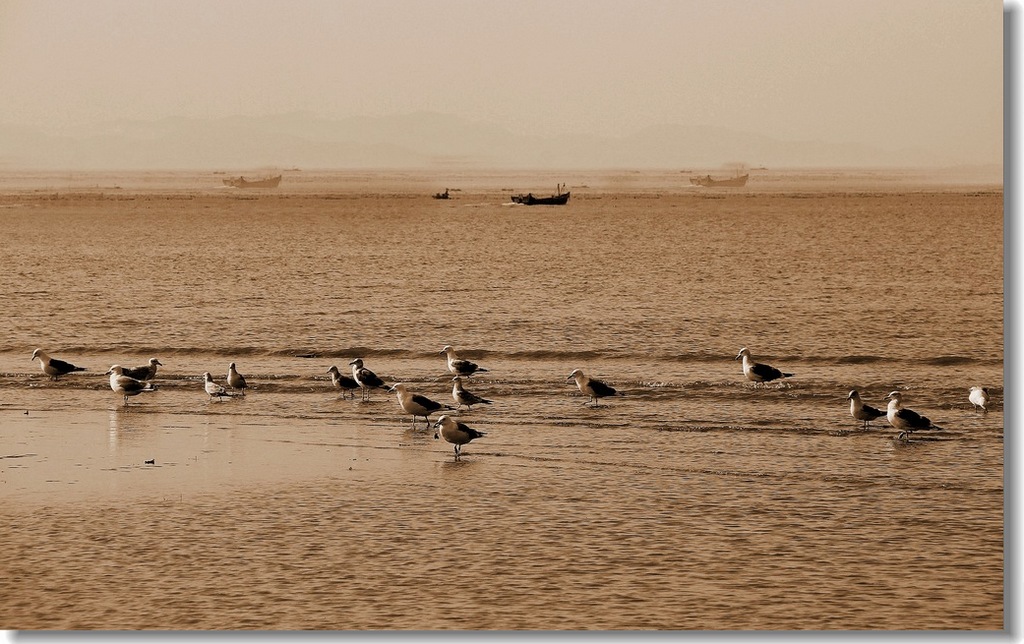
59 457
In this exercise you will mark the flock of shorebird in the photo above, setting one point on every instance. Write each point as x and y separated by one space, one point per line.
137 380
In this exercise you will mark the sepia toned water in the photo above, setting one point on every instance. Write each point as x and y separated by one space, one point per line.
693 501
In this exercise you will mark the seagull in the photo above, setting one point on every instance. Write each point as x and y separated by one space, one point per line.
860 411
215 390
235 379
52 366
464 397
126 385
458 366
144 372
416 404
905 420
366 378
979 398
756 371
455 433
595 389
342 382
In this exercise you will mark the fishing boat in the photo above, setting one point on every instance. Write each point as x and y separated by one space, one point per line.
558 199
441 195
734 182
242 182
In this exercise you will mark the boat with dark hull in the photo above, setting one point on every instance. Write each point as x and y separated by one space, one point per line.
558 199
242 182
442 195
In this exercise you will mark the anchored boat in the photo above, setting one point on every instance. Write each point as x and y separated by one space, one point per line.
558 199
734 182
242 182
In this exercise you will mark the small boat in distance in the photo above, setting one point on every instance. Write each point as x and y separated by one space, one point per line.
735 182
242 182
441 195
558 199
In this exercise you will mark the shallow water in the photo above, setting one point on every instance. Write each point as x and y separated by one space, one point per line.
694 501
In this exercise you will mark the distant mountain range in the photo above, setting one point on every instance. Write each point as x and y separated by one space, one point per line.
418 140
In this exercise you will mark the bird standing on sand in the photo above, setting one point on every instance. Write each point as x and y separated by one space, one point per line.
144 372
905 420
52 366
464 397
458 366
235 379
366 378
979 398
595 389
126 385
342 382
757 372
456 433
863 412
215 390
415 404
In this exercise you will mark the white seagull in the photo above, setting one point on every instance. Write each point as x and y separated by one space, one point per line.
126 385
455 433
458 366
52 366
863 412
757 372
464 397
906 420
342 382
979 398
595 389
366 378
415 404
215 390
144 372
235 379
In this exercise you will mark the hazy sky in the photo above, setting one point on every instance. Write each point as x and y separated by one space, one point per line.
890 73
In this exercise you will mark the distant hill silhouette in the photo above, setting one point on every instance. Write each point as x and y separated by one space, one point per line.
417 140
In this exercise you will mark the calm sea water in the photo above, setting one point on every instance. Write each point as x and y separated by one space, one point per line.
694 501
